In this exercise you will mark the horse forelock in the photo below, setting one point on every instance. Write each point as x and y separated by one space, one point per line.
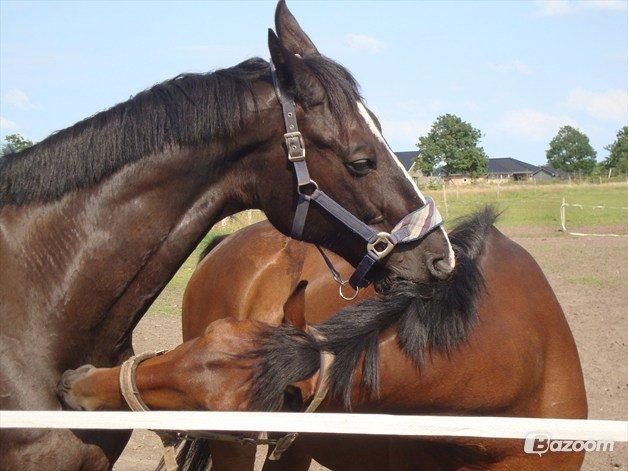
427 317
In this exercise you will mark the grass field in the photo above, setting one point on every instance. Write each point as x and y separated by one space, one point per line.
534 207
538 205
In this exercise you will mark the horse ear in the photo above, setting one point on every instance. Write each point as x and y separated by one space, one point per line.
290 32
294 307
293 74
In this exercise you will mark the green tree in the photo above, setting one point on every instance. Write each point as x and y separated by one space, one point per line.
570 150
15 143
618 157
453 142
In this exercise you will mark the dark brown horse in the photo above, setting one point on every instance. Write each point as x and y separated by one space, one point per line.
492 340
95 219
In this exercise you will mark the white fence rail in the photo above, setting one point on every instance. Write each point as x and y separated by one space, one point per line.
369 424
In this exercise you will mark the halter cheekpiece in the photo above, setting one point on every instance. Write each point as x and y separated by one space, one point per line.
413 227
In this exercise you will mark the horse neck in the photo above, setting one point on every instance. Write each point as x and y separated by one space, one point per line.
97 258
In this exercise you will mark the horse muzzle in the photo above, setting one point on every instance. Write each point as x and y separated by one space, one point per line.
68 394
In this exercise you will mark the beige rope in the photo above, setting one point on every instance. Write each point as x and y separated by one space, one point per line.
322 388
130 393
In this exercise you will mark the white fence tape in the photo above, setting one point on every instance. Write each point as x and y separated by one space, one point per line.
369 424
563 218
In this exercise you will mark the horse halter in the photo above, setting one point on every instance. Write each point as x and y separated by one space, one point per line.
172 439
413 227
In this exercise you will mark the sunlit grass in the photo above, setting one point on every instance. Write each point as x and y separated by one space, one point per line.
539 205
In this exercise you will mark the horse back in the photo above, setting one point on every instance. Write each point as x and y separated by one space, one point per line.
522 341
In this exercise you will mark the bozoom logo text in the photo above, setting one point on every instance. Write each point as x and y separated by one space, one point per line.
539 443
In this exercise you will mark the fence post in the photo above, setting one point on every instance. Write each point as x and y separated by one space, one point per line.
562 216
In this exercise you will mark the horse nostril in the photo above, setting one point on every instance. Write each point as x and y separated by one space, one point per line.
439 267
66 380
69 377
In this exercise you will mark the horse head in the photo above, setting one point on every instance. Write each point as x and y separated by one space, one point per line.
347 157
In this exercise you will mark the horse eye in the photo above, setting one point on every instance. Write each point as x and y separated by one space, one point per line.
361 166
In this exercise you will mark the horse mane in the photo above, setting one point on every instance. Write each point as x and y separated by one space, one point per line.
187 110
427 317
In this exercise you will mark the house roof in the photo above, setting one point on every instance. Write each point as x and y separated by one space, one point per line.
554 172
495 166
509 165
500 165
407 158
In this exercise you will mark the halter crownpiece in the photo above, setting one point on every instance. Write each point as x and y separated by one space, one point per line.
413 227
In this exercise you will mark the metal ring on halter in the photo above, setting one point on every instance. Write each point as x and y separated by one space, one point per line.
382 238
311 183
342 284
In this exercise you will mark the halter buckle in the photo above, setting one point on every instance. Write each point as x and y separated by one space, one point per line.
376 249
296 146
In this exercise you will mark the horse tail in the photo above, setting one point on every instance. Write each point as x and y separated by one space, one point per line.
211 245
194 454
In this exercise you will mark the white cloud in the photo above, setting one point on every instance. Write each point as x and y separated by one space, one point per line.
406 131
207 48
572 7
434 106
612 104
533 124
19 99
521 67
612 5
556 8
364 43
472 105
514 65
7 124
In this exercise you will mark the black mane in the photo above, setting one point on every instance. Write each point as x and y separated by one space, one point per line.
190 109
427 317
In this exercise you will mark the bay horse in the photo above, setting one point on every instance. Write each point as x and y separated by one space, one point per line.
95 219
491 340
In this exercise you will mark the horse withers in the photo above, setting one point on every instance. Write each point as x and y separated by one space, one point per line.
96 218
477 344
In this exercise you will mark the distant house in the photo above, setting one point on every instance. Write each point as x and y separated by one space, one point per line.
507 168
547 172
407 158
503 168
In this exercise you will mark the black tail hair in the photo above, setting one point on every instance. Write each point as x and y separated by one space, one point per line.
435 316
194 454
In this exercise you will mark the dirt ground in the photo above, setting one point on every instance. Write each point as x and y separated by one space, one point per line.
590 279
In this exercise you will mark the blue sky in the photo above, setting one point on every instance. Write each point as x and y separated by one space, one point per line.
516 70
